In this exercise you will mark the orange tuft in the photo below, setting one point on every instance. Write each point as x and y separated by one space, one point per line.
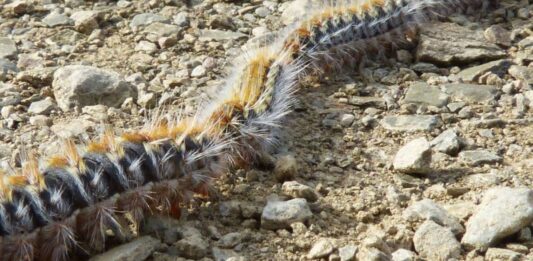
353 9
108 139
180 128
186 127
162 131
58 161
97 147
252 84
303 32
379 3
30 169
72 152
17 181
134 137
315 21
366 7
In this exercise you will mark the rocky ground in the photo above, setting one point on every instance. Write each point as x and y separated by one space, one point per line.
426 156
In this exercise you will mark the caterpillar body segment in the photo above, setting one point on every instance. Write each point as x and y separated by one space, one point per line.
67 205
354 28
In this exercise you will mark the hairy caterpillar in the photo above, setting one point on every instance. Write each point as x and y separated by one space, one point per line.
51 211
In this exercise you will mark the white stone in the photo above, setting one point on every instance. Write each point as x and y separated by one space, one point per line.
502 212
499 254
414 157
435 242
85 21
139 249
280 214
410 123
347 119
146 46
198 71
230 240
7 48
322 248
347 253
296 10
80 85
427 209
297 190
259 31
146 19
403 255
447 142
55 19
44 106
479 157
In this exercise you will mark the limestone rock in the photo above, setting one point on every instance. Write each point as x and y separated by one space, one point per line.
498 35
423 93
522 72
435 242
79 85
297 190
8 48
56 19
503 211
498 254
146 19
403 255
139 249
447 142
44 106
427 209
295 10
410 123
450 43
280 214
414 157
321 248
347 253
85 21
471 93
478 157
471 74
